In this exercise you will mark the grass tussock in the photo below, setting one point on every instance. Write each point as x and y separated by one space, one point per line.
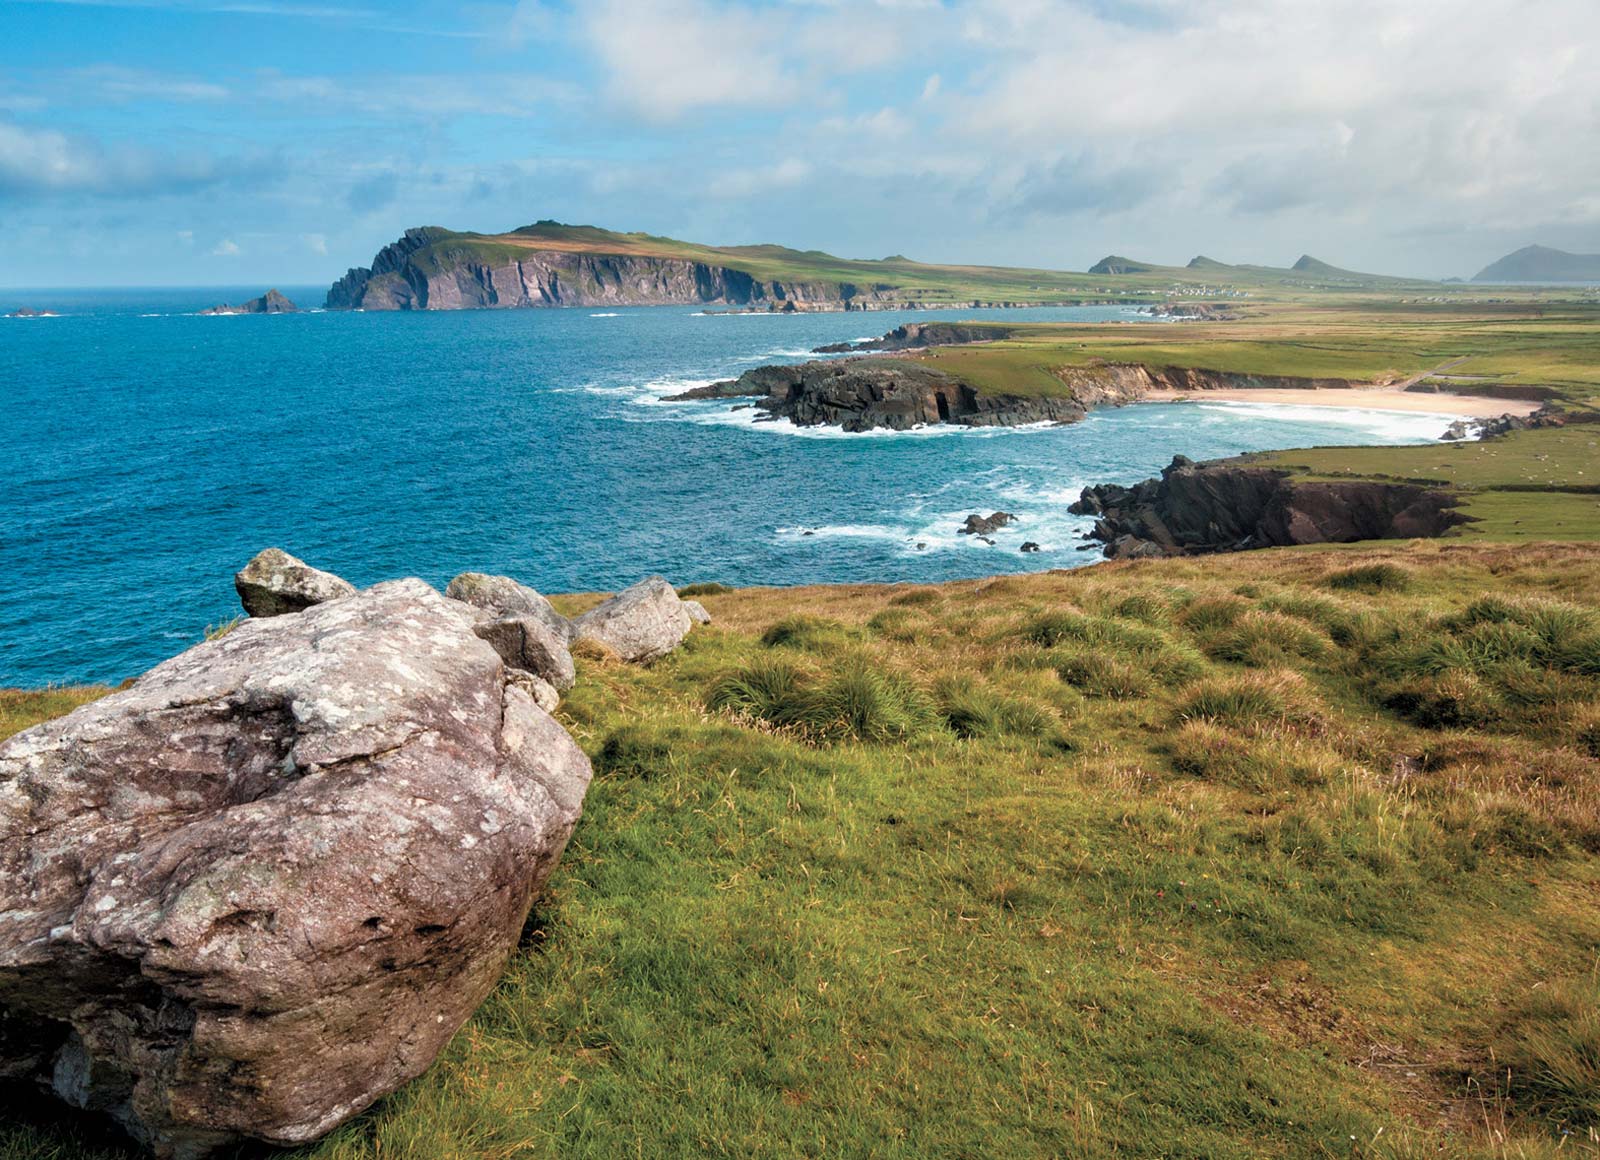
1372 579
1550 1053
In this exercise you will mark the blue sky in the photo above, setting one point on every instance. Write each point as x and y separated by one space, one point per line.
281 141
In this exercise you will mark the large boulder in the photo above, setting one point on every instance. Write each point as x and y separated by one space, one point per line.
527 643
264 886
274 583
639 624
503 597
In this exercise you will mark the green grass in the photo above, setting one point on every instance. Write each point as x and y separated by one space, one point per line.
842 891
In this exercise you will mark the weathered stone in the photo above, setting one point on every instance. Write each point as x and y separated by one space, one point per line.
274 583
504 597
263 887
697 612
1030 546
642 623
527 643
544 694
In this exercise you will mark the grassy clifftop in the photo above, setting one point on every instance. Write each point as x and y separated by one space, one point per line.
1286 854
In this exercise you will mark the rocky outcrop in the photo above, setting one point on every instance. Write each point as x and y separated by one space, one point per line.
274 583
262 888
919 335
434 269
639 624
503 597
269 303
1193 311
1231 505
864 394
1503 425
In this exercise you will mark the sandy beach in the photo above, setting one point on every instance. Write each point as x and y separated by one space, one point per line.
1371 399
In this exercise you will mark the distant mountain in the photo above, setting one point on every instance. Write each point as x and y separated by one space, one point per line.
1201 262
1115 264
1542 264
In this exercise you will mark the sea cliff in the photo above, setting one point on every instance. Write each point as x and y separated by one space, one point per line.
433 269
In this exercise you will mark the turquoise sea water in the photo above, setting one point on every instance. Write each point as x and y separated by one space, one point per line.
148 452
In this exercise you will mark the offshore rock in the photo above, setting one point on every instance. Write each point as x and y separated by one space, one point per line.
264 886
274 583
978 525
639 624
269 303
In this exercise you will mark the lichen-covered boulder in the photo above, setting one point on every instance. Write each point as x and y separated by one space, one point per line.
639 624
274 583
527 643
503 597
264 886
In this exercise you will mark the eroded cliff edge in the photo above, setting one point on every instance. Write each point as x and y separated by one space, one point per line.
1232 505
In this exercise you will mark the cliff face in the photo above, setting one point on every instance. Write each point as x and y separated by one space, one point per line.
1230 506
461 278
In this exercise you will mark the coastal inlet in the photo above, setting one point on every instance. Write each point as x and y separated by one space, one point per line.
149 447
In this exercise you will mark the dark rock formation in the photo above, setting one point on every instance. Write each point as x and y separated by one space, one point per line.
274 583
917 335
1230 506
978 525
502 597
863 394
1030 546
269 303
263 887
30 312
639 624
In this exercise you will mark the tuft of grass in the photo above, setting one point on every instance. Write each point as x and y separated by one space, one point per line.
1550 1053
807 633
864 702
708 588
1372 579
24 708
1210 613
218 631
1267 639
971 709
769 688
1252 701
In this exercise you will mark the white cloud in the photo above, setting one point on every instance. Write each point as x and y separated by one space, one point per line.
226 248
316 243
38 162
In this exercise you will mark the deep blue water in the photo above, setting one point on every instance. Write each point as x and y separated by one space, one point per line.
147 453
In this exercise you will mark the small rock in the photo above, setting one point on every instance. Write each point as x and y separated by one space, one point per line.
639 624
697 612
504 598
527 643
1030 546
544 694
978 525
274 583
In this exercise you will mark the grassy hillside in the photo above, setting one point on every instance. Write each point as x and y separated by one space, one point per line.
1286 854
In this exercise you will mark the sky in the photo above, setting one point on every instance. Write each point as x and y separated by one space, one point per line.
265 142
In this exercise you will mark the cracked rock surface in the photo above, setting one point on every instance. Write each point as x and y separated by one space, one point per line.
264 886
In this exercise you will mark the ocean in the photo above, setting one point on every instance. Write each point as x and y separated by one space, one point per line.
148 452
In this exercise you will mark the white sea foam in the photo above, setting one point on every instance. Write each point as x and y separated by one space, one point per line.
608 314
1394 425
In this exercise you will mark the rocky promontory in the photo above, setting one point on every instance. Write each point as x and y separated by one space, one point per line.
436 269
918 335
894 394
1233 505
